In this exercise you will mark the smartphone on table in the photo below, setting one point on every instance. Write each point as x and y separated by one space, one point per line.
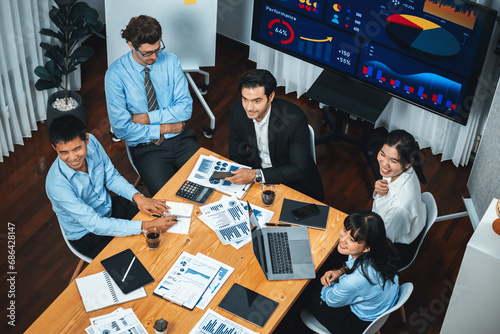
305 211
220 175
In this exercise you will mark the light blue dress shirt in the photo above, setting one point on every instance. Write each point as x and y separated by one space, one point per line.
367 301
126 95
80 199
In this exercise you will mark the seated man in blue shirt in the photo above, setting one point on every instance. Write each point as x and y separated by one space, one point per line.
151 119
77 185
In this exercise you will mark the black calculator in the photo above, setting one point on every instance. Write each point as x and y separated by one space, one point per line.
194 192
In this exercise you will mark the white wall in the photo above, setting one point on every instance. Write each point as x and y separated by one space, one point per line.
188 31
484 179
234 19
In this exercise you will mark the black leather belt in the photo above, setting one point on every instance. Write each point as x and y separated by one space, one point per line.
144 144
151 143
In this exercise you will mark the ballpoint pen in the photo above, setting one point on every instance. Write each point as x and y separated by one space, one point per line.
128 269
273 224
178 216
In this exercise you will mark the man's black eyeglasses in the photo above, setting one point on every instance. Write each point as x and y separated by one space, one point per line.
147 54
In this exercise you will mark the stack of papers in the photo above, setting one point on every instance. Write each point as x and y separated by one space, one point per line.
204 168
119 321
212 322
228 218
193 280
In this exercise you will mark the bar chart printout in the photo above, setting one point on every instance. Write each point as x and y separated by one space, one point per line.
214 323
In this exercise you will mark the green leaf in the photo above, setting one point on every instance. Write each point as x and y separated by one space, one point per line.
58 18
80 10
41 72
43 84
46 46
79 34
96 32
51 67
57 57
49 32
82 54
65 3
97 28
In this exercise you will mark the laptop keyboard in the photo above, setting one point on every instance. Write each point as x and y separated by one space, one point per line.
281 261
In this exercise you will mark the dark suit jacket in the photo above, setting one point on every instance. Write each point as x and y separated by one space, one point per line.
289 147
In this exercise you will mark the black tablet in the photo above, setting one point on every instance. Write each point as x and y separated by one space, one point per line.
248 304
127 271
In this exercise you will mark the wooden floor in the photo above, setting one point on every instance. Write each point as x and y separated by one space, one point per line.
44 263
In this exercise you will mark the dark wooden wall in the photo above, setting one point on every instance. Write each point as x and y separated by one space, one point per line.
44 264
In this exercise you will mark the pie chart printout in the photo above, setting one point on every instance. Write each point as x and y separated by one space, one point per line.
422 38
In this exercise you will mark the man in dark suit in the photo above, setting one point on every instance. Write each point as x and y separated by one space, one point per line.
271 135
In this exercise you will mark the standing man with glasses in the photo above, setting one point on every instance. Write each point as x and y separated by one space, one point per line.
148 104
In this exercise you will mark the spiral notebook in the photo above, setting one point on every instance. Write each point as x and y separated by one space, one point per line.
99 290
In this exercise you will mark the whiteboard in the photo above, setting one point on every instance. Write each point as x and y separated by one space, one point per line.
188 30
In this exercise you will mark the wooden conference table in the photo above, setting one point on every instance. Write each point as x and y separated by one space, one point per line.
67 314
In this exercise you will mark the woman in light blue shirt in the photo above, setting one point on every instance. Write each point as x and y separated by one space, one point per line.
367 286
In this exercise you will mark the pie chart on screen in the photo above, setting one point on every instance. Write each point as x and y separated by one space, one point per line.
422 38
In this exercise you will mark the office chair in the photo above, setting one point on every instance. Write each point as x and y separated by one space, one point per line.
78 254
313 144
431 207
405 291
138 181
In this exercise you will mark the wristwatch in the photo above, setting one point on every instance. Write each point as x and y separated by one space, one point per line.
258 176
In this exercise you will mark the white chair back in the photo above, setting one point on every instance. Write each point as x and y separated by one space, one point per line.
405 291
138 180
130 158
432 212
73 250
313 324
313 145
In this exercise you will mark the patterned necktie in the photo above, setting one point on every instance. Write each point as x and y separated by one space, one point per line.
152 101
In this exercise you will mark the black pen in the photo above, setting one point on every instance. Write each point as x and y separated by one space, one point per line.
273 224
158 216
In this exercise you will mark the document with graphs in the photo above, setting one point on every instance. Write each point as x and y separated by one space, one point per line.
204 168
187 280
214 323
228 218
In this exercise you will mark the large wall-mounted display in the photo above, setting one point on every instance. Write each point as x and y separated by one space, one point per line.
427 52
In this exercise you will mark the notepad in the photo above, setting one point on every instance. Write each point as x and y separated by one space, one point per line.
119 266
318 221
99 291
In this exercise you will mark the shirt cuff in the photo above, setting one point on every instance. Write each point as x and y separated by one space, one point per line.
154 117
263 176
136 227
154 131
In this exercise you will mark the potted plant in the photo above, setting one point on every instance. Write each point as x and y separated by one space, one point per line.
74 21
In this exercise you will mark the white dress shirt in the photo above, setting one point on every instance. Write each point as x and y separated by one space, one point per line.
262 134
402 209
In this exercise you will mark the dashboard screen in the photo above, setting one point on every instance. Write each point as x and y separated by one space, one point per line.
426 52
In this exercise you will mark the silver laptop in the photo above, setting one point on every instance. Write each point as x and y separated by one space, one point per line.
284 253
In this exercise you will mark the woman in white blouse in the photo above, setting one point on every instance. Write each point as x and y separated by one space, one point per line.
397 197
